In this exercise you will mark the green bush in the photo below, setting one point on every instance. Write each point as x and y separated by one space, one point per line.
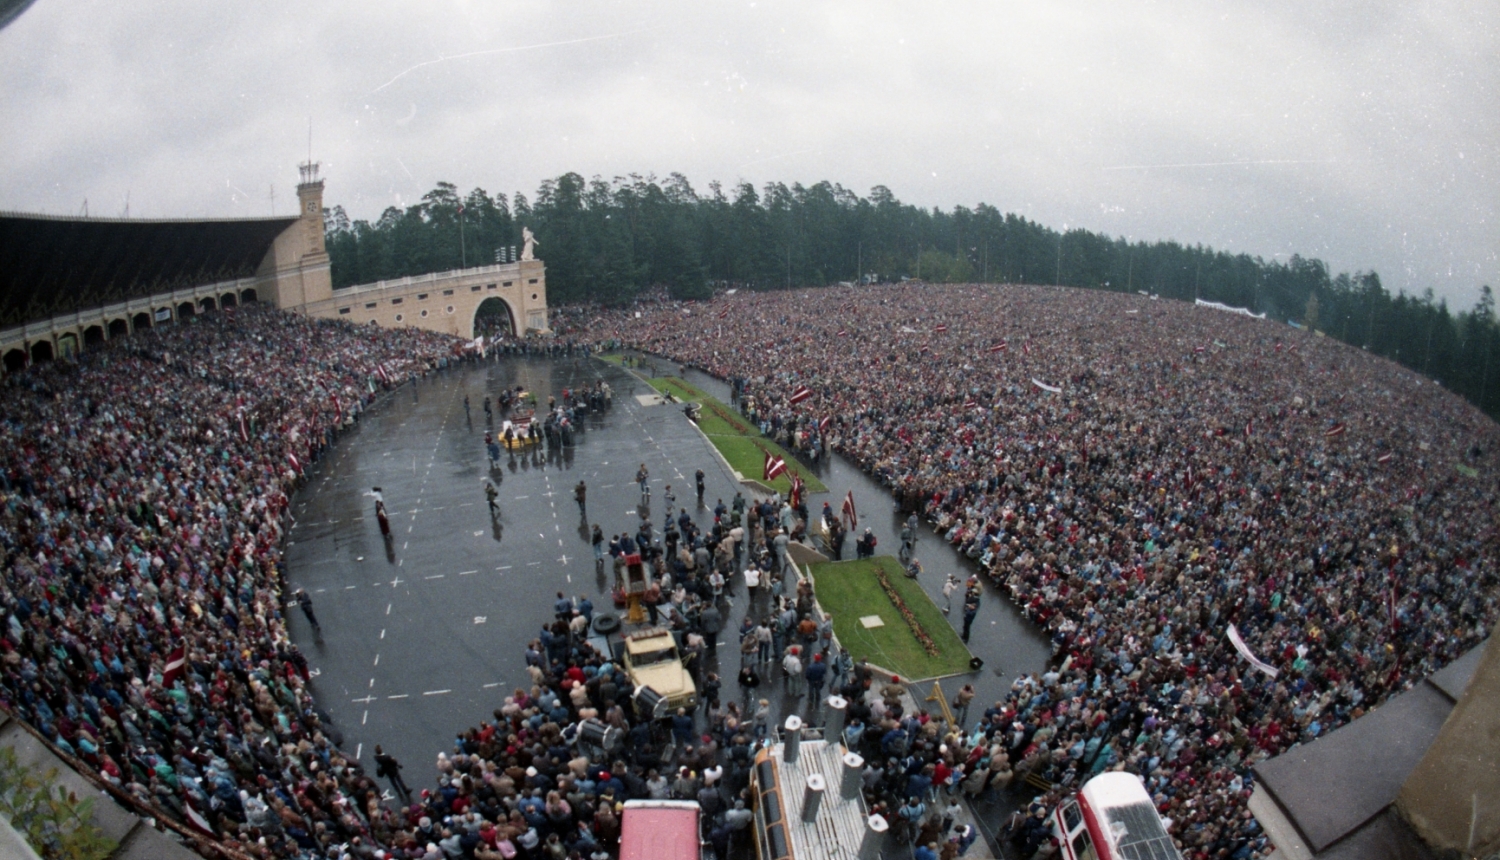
58 825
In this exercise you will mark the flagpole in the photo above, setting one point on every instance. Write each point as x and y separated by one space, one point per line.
463 255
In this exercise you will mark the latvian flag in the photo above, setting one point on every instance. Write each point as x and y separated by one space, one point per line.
176 661
924 348
1000 347
244 432
941 327
848 511
196 820
296 464
774 466
1200 349
1026 347
843 332
825 424
380 372
971 403
798 488
802 393
1335 430
1250 427
1386 457
724 313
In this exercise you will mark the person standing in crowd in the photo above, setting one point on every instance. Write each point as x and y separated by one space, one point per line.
971 609
387 766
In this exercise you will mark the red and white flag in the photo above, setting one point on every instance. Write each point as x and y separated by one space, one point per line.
774 466
941 327
802 393
849 512
176 663
244 432
924 349
971 403
798 488
724 313
1026 346
1250 427
380 372
843 332
1200 349
1386 457
296 464
825 423
196 820
1002 346
1335 430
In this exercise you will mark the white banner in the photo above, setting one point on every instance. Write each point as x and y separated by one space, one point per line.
1222 307
1044 386
1240 646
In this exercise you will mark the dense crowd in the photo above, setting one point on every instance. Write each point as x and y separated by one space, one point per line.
1139 476
143 500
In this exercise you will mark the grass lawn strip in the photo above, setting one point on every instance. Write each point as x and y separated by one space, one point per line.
736 438
850 590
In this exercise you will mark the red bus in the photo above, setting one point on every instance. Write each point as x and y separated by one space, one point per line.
1112 818
660 830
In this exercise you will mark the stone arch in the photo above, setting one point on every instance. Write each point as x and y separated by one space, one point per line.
15 360
247 297
140 321
186 311
119 328
206 305
228 300
497 309
93 335
41 351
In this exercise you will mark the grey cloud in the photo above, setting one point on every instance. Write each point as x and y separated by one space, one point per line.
1359 133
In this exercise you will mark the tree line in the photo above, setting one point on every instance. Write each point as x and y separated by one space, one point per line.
609 241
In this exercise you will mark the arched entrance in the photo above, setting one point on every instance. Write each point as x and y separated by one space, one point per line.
228 300
247 297
206 304
93 335
15 360
118 328
493 318
140 321
41 351
185 311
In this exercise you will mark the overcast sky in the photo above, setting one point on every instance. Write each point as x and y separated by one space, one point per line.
1361 133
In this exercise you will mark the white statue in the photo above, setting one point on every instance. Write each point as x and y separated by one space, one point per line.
528 241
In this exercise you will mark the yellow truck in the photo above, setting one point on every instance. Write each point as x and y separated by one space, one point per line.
653 665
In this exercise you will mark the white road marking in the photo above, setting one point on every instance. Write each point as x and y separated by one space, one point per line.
504 567
435 576
467 572
480 619
400 696
359 749
489 686
388 609
436 692
382 633
364 719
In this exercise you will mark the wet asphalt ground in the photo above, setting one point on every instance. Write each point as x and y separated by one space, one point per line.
423 635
